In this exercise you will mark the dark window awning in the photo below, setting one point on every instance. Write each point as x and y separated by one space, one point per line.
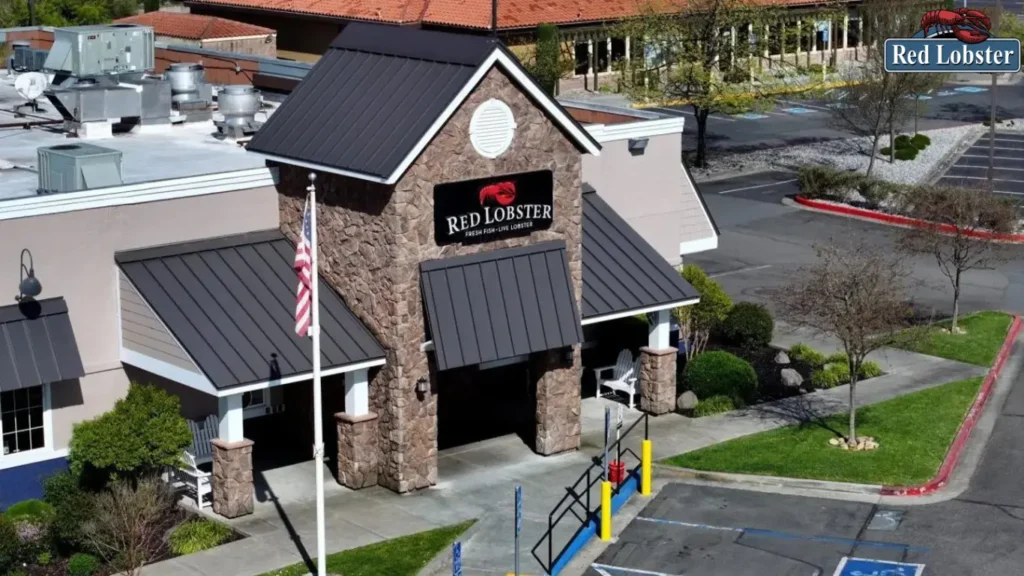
622 273
230 303
500 304
37 345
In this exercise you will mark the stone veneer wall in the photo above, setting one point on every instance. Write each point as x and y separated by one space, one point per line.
373 237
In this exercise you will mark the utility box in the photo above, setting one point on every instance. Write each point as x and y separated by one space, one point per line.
72 167
84 51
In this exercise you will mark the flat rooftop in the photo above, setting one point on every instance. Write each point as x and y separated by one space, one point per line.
179 151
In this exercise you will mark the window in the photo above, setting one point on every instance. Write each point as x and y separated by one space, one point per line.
21 420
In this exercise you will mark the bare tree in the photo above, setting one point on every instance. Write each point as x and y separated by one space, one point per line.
956 218
855 293
129 523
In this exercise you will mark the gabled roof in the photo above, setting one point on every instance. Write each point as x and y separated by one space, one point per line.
380 94
195 26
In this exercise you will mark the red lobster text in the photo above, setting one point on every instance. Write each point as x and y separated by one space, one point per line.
969 26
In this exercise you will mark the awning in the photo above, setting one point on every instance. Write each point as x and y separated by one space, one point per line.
37 345
230 303
623 274
500 304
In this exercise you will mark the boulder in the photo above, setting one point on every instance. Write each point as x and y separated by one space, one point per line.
686 401
782 358
791 378
834 441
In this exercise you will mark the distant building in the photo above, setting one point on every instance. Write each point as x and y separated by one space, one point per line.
209 32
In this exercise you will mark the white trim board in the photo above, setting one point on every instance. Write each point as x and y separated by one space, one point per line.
497 57
138 193
701 245
640 129
634 312
707 217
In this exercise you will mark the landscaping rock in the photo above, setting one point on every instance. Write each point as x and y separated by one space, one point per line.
834 441
687 401
791 378
782 358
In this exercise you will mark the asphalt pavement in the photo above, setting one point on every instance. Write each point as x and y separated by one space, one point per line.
764 242
971 170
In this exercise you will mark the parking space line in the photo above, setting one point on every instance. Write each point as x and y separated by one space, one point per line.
758 186
789 536
984 178
602 570
958 165
804 105
740 271
673 111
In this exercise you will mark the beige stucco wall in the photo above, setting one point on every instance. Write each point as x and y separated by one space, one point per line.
73 254
651 192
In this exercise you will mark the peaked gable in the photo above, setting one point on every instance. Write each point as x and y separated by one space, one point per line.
380 94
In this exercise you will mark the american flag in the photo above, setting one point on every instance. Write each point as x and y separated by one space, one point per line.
304 267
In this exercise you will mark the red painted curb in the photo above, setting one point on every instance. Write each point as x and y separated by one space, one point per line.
898 220
955 449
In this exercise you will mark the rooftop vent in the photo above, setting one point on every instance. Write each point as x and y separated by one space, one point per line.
72 167
492 128
239 105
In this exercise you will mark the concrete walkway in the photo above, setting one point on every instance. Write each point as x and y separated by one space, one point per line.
477 481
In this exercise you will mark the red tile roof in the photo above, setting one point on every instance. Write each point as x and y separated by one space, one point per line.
194 26
474 14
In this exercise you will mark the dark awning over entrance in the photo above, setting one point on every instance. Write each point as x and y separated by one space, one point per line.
37 345
622 273
500 304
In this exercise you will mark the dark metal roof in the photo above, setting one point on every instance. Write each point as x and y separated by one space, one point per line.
230 302
621 271
37 344
500 304
373 96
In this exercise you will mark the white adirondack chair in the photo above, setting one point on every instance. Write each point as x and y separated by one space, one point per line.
623 377
203 433
192 479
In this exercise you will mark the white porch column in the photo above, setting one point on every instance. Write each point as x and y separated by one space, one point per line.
860 31
590 56
767 44
814 37
782 41
799 37
846 30
608 63
231 415
658 330
627 48
357 393
732 41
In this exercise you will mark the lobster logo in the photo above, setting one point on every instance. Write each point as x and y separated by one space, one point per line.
501 193
966 25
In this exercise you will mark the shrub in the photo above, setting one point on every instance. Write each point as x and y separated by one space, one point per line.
828 183
129 522
72 508
702 318
906 153
83 565
33 537
902 141
885 150
749 325
714 405
29 510
198 535
876 192
837 358
143 433
10 547
803 353
869 369
44 559
830 376
920 141
719 373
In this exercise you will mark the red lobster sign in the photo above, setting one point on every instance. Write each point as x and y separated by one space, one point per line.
501 193
968 26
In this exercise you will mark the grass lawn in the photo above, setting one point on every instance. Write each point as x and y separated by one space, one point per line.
979 346
913 431
404 556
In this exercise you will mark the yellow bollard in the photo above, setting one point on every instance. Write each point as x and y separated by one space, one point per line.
606 511
645 468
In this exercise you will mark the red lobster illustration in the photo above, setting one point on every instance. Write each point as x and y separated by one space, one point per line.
969 26
502 193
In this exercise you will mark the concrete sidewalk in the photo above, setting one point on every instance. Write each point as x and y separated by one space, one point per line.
477 481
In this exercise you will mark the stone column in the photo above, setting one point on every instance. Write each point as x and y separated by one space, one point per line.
657 380
558 400
358 463
232 478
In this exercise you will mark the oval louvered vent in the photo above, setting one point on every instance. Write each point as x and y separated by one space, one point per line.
492 128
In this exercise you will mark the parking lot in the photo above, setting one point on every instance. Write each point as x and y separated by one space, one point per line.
971 169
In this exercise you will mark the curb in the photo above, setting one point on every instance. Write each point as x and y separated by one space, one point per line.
768 481
956 448
904 221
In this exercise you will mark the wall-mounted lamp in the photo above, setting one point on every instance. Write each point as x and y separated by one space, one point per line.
29 286
421 386
637 146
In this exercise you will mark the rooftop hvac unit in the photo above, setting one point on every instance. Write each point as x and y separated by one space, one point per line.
71 167
83 51
28 59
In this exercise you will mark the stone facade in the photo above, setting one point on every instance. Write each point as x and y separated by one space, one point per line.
558 400
373 237
358 452
657 380
232 478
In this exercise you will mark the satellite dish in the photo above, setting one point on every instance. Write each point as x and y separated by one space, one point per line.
31 85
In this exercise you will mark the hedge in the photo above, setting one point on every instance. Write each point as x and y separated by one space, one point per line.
748 325
719 373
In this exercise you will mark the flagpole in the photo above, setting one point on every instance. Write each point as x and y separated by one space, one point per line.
318 424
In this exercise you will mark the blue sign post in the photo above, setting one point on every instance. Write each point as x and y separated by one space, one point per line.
519 522
864 567
457 559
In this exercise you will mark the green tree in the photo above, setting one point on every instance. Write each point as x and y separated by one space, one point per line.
143 433
547 66
64 12
698 321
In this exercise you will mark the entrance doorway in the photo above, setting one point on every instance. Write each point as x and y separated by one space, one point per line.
475 404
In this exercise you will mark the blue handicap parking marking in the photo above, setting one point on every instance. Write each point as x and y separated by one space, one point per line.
798 110
750 116
863 567
971 89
